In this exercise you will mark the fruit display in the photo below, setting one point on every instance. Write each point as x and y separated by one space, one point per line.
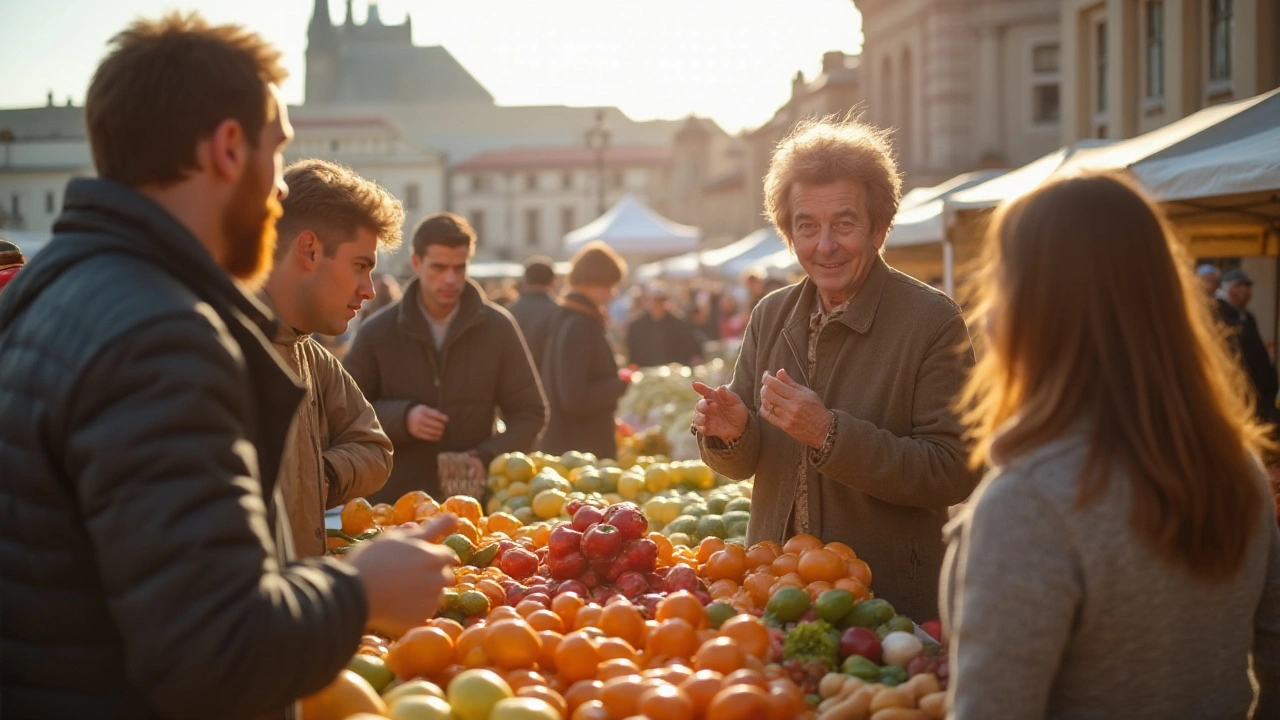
602 617
664 396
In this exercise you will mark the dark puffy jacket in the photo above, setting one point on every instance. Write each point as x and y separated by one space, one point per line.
142 418
533 313
580 377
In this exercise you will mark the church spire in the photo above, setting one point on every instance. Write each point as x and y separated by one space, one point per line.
373 18
320 31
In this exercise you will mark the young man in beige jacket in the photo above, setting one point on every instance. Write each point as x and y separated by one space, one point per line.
333 225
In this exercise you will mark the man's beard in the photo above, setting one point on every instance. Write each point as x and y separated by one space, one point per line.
249 226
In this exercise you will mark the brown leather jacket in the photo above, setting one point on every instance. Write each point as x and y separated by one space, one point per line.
336 449
889 367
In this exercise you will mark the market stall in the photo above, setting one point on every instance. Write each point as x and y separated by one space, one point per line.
726 262
636 232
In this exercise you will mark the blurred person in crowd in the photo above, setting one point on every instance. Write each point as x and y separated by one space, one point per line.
1124 526
142 472
840 403
537 305
328 238
659 336
705 314
1232 302
580 376
442 363
1210 278
386 291
733 321
753 281
11 261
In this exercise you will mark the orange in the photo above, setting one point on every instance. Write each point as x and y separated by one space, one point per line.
550 641
684 605
624 620
746 676
348 694
666 702
591 710
727 564
587 616
616 667
701 688
758 584
820 564
581 692
512 644
383 515
504 612
665 548
842 550
567 605
677 673
476 658
859 590
542 619
471 637
540 533
492 590
357 516
425 509
674 638
546 694
722 589
503 523
860 571
785 563
452 628
611 648
760 554
786 701
464 506
720 654
527 607
817 588
739 702
576 657
748 633
621 695
403 510
799 543
421 652
524 678
708 547
468 529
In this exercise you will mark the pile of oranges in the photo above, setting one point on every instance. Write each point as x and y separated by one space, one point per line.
747 578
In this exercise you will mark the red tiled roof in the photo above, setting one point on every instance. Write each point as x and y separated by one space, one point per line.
339 122
558 157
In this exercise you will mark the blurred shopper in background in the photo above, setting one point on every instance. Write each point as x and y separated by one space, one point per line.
537 305
11 261
1246 341
1124 527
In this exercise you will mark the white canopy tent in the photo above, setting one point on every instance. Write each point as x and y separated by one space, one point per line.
727 262
631 228
1248 165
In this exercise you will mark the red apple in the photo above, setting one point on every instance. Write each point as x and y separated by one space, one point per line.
504 546
540 598
571 507
632 584
563 540
519 563
860 641
703 597
615 508
640 555
656 583
540 587
630 522
568 567
682 577
649 604
602 593
615 569
590 578
515 594
576 587
541 553
586 516
933 629
601 543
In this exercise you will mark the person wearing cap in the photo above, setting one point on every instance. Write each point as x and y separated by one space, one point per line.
1210 278
659 336
1246 341
536 305
11 261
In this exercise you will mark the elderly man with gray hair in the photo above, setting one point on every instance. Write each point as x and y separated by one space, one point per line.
841 401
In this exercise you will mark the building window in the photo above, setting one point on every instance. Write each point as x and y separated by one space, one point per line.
618 179
479 183
411 196
333 146
905 112
1100 68
1046 104
50 202
532 219
566 180
1220 27
531 182
568 223
1155 49
477 224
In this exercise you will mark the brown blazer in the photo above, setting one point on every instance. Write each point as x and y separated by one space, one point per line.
890 368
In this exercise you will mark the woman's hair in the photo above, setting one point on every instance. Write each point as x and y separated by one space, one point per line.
1092 315
597 264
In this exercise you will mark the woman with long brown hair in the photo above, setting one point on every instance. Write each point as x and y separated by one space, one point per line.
1120 559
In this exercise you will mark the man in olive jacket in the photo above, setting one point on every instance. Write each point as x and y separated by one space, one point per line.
144 564
439 365
840 404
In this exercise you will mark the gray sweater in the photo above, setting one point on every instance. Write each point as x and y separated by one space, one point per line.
1058 612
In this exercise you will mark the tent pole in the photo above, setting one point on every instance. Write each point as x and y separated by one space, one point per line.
948 268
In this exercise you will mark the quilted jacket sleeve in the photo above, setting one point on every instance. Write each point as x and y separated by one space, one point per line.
212 625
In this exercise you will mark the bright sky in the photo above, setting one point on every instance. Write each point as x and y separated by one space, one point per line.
731 60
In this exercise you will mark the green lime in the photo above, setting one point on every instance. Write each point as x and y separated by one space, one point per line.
717 504
461 545
411 688
451 600
718 613
833 605
711 526
680 538
371 668
736 522
686 524
484 556
860 667
868 614
738 505
788 604
474 603
897 623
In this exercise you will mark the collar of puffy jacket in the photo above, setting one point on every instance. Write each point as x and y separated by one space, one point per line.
412 319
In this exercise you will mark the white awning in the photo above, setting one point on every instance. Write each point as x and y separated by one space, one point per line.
631 227
728 261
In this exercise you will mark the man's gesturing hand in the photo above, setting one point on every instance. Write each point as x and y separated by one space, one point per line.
405 574
425 423
794 409
720 413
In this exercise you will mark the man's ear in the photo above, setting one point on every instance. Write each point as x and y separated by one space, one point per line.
415 262
308 249
228 151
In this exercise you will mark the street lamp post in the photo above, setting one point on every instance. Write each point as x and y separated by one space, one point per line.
597 137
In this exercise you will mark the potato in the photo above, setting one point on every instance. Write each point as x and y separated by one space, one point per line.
921 685
831 684
851 685
855 707
900 714
935 705
892 698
